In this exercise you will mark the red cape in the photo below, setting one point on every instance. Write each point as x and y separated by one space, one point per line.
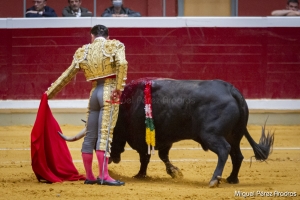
50 156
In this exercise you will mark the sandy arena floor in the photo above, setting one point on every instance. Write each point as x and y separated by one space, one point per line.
276 177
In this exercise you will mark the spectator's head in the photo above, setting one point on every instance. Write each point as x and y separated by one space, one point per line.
39 4
99 31
117 3
74 4
292 5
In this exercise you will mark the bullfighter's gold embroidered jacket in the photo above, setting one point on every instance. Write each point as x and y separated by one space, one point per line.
103 58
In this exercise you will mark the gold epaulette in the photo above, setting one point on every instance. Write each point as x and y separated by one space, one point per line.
81 54
110 48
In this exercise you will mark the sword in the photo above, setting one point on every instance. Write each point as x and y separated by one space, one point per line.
107 141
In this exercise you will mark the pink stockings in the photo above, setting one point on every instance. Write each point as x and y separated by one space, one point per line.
100 157
88 161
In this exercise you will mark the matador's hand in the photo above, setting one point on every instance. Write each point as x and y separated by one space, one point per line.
115 95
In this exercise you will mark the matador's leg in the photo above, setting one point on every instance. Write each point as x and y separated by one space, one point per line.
107 121
89 142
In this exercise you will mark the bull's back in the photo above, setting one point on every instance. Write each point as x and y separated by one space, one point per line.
180 108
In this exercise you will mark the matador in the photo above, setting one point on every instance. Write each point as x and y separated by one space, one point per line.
104 64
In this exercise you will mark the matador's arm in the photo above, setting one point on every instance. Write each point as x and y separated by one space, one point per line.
121 64
62 81
68 75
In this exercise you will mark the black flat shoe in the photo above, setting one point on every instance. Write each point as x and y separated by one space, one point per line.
90 182
110 183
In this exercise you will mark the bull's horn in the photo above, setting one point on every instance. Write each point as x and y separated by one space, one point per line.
80 135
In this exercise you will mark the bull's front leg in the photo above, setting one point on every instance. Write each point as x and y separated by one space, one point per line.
172 170
144 159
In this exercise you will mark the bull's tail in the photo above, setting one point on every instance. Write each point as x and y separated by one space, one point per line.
264 148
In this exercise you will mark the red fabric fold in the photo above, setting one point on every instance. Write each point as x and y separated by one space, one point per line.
50 156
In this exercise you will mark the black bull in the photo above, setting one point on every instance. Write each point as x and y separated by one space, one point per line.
213 113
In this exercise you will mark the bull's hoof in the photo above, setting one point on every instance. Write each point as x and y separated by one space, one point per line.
216 182
174 172
232 180
140 176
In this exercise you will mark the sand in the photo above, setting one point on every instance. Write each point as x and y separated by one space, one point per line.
263 180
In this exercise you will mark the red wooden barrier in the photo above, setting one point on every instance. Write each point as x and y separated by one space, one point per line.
262 62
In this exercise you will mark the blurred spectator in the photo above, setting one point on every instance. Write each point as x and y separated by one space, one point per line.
40 9
75 10
292 9
117 10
